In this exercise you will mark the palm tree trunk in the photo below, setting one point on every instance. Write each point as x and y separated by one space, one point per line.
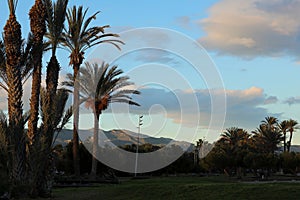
38 28
12 41
76 160
290 141
51 87
35 95
284 141
34 153
95 146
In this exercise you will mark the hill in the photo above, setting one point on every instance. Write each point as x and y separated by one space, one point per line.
121 138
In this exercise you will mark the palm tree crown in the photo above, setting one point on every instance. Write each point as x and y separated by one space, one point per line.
79 37
100 86
235 136
270 122
269 137
56 14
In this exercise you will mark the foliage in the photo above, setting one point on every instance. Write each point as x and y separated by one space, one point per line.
237 150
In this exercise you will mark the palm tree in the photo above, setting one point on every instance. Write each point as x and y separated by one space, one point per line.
234 144
77 39
283 126
292 125
268 138
37 16
44 152
100 86
56 14
25 68
13 43
41 12
235 136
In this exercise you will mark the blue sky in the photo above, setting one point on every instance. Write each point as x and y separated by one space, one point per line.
253 44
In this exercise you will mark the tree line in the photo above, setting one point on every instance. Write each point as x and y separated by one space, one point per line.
266 148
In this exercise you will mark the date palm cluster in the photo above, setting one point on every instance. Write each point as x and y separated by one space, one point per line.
26 137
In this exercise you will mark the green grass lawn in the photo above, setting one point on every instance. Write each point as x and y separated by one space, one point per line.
183 188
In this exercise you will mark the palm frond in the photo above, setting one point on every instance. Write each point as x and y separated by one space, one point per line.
12 5
56 15
26 64
27 58
65 120
79 36
59 106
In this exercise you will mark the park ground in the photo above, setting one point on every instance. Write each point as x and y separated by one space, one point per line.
183 188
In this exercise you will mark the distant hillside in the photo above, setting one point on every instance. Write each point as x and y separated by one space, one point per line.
121 138
126 137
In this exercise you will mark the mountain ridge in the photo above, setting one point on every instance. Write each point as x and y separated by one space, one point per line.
121 137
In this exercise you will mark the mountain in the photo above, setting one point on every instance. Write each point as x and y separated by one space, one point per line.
121 138
126 137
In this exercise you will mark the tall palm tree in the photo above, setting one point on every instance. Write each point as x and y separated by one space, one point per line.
292 125
100 86
284 127
37 16
13 43
56 15
79 37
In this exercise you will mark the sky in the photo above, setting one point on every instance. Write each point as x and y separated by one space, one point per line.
199 52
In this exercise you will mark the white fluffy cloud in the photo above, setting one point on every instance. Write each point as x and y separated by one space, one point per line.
253 28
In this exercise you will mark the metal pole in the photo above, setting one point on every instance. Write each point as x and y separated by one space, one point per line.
138 143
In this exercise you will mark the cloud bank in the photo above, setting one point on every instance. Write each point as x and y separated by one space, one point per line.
244 107
253 28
